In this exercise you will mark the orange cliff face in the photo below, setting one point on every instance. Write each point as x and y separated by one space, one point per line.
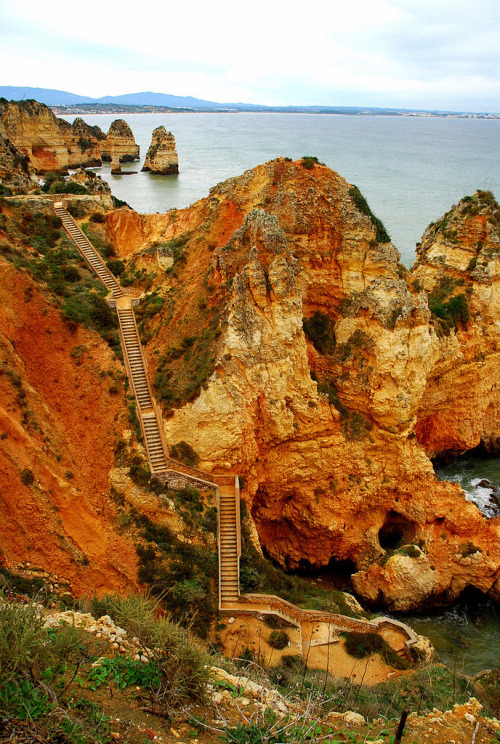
54 145
59 424
328 428
460 258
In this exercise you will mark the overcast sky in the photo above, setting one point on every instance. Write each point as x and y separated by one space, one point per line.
411 53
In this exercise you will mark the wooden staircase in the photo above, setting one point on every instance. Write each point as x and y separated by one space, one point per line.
229 545
89 253
147 412
135 357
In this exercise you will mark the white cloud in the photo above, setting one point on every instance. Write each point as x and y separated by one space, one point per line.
269 52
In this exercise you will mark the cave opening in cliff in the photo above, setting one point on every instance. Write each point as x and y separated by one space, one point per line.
335 575
396 531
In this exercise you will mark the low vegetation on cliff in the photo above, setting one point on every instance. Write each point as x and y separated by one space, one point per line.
128 674
34 242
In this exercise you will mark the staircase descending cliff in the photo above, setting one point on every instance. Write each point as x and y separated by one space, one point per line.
135 362
89 253
229 545
134 358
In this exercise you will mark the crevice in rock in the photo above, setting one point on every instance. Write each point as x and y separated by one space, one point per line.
397 530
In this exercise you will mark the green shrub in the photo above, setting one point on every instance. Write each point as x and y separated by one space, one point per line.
71 274
278 639
455 311
177 672
18 584
76 210
309 161
360 645
27 477
123 672
319 329
116 266
183 452
91 310
361 204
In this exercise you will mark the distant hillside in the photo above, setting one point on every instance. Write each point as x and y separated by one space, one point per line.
62 98
149 98
43 95
160 102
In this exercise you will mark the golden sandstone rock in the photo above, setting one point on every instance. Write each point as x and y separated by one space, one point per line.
120 143
333 437
54 145
162 156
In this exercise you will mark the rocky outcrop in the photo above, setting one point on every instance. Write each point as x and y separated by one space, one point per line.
51 144
327 420
120 143
54 145
162 156
458 266
92 182
17 175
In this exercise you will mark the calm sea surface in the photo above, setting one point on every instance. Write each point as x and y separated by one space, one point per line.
411 170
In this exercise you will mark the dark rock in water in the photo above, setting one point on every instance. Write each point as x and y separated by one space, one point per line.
485 483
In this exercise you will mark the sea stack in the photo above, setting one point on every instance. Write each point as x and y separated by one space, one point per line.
116 167
120 141
162 156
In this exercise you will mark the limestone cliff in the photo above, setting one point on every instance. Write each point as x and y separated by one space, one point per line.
162 156
120 142
290 346
51 144
17 175
458 265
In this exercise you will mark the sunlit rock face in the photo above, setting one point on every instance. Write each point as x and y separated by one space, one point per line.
162 156
119 143
17 175
51 144
331 420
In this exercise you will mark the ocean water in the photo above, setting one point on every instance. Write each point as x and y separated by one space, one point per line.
480 479
411 170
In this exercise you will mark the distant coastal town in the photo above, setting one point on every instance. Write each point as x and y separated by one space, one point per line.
107 108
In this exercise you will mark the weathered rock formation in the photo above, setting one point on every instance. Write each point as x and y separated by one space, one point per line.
162 156
54 145
331 427
120 143
17 175
51 144
116 167
91 181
